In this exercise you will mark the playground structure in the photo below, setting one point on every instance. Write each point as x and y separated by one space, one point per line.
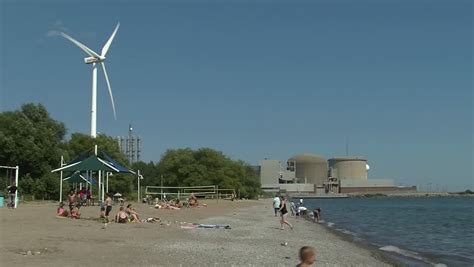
17 170
183 192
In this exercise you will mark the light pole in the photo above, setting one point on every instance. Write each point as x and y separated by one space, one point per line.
139 177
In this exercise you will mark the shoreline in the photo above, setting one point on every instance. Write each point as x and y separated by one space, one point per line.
376 253
332 248
253 240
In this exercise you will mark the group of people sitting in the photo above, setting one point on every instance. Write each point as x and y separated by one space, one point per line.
171 205
75 200
125 215
74 211
176 204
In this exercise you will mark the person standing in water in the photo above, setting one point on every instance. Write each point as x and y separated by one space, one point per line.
317 215
284 214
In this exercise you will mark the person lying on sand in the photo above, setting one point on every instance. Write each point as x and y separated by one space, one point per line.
192 200
307 256
75 213
61 211
178 204
132 214
166 206
121 216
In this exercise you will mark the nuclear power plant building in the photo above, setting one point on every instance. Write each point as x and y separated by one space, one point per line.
313 174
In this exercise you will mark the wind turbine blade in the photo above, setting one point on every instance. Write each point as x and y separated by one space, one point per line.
109 42
110 89
81 46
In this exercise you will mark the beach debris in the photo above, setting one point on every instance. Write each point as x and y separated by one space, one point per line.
214 226
287 257
29 253
205 226
284 244
37 253
188 226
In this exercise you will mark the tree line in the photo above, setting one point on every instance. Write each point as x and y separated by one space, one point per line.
33 140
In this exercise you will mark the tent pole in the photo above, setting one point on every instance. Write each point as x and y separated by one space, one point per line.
61 182
100 187
103 187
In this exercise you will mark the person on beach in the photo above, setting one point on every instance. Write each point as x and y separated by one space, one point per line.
88 197
276 204
61 211
81 196
307 256
121 216
103 218
178 204
192 200
300 208
284 213
75 213
317 215
293 209
71 199
132 214
12 190
108 206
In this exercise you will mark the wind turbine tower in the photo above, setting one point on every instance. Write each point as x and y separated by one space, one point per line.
95 59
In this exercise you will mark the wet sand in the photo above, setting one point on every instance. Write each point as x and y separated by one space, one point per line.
254 240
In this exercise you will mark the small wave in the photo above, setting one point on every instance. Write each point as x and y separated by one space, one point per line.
330 224
403 252
410 254
347 232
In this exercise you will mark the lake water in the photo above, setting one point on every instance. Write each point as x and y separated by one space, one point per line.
423 231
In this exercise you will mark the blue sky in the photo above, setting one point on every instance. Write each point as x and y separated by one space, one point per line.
260 80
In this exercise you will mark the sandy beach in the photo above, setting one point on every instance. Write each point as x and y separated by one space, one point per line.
254 240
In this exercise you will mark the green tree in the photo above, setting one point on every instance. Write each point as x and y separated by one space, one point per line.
205 166
31 139
80 143
149 171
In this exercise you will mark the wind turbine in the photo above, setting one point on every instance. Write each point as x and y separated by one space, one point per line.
94 59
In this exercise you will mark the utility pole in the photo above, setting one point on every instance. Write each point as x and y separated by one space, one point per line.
347 148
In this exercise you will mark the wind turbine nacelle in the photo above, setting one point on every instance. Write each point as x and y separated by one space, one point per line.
90 60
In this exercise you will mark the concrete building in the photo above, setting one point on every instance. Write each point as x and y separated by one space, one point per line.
272 175
310 169
312 174
372 186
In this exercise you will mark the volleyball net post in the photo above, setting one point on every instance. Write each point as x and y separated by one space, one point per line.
17 171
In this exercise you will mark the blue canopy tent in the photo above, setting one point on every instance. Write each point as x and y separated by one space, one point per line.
89 162
78 177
